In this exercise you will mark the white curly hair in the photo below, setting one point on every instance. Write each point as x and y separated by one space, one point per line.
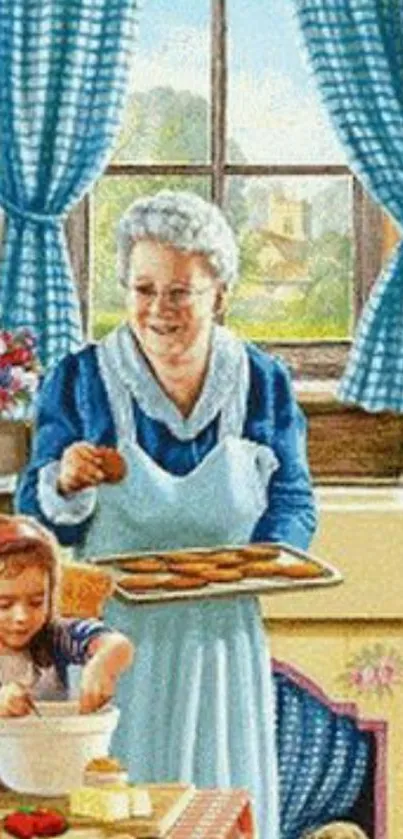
184 220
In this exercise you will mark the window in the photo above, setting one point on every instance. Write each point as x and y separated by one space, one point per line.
221 101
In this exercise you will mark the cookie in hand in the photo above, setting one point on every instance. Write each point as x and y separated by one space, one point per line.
113 465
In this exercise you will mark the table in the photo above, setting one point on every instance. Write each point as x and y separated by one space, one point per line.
211 814
216 814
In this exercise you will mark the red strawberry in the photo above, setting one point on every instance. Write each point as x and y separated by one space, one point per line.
20 823
48 822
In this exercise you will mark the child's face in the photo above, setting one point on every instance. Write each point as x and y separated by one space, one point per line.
24 607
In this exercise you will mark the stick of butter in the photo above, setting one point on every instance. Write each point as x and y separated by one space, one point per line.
101 803
140 802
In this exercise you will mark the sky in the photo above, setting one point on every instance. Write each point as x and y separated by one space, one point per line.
275 114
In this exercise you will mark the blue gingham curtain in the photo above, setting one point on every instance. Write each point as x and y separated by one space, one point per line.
63 71
323 759
356 51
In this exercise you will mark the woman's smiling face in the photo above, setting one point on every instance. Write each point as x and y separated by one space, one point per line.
173 297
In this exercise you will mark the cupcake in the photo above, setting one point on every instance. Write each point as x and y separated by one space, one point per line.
104 771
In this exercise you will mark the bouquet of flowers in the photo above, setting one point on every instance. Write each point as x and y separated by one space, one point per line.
19 371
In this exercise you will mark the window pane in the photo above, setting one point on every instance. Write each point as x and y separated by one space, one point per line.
167 113
297 257
111 197
275 115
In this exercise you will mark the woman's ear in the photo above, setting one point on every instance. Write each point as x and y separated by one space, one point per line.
221 300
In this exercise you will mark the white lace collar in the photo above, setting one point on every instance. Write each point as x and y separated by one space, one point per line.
225 387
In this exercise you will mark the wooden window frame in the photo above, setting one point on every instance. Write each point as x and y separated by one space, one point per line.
308 359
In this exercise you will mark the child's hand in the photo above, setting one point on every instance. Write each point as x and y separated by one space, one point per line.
97 685
15 700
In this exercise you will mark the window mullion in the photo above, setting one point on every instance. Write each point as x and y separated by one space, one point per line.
78 244
218 98
368 245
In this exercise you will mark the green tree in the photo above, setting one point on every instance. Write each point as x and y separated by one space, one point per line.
328 296
249 246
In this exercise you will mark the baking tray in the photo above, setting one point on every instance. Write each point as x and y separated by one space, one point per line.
329 575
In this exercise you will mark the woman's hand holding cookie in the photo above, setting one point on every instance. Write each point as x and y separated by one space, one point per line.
80 467
84 465
113 464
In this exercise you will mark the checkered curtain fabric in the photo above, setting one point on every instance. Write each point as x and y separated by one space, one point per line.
356 52
323 759
63 71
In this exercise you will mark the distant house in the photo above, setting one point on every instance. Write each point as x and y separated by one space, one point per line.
290 217
281 258
283 244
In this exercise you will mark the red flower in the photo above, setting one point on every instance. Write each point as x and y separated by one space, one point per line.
19 369
4 398
17 356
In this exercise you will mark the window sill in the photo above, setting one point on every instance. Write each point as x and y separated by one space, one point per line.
317 392
347 444
345 498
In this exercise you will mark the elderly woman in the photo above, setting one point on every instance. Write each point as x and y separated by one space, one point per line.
214 446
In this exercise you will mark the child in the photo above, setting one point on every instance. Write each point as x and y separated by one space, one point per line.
36 646
338 830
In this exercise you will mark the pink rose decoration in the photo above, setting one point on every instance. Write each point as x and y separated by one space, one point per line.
374 670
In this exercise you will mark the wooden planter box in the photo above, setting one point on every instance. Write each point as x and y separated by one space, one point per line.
14 445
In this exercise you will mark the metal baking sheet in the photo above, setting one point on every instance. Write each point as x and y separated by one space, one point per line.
330 575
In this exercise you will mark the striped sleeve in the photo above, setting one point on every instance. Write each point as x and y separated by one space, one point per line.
72 636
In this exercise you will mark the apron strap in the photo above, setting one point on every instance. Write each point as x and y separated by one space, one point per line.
233 414
119 397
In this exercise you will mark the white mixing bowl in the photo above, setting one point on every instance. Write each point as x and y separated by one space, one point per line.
47 755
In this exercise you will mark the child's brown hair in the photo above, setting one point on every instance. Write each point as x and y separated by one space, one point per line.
25 543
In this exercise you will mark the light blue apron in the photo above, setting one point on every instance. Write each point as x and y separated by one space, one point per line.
197 705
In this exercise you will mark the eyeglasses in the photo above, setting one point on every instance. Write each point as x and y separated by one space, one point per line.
178 297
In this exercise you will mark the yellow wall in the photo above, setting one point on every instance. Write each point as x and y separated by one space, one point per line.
322 633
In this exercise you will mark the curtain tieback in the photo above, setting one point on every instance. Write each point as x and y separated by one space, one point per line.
26 215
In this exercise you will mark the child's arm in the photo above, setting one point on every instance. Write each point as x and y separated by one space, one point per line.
102 653
109 656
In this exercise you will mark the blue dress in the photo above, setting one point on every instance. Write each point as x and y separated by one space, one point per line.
198 704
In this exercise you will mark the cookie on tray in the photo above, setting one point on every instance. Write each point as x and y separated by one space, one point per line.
190 569
142 582
301 570
260 568
259 551
181 582
185 556
145 565
226 559
222 575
